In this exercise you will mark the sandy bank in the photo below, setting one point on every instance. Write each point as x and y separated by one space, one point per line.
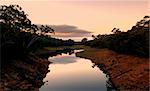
127 72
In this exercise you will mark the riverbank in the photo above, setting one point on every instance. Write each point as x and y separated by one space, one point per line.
24 74
28 73
53 51
126 72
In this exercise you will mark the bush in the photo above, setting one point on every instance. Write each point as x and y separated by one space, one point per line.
134 41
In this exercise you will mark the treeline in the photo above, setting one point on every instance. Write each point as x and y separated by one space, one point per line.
134 41
49 41
19 36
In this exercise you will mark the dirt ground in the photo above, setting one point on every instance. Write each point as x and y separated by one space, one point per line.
24 75
127 72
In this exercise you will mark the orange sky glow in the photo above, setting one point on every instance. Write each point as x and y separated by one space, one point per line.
97 16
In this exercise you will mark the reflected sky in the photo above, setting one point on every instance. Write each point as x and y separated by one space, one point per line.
70 73
63 59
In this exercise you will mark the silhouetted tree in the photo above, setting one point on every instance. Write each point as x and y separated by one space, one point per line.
18 34
134 41
84 40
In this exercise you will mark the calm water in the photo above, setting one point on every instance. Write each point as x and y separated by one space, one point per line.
71 73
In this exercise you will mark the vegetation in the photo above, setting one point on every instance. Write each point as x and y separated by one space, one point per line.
134 41
19 36
84 40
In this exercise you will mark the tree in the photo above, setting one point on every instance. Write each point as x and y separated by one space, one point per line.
18 34
134 41
84 40
44 30
93 37
13 18
146 16
116 30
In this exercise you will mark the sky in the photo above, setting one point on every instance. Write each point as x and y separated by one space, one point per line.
90 16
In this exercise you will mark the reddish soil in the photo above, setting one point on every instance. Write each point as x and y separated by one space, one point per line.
127 72
25 74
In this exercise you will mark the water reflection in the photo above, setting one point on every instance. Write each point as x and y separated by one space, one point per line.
70 73
109 84
63 59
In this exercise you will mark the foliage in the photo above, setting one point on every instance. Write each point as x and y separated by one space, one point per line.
134 41
47 41
84 40
19 36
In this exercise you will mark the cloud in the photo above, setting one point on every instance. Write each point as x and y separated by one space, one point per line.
69 31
